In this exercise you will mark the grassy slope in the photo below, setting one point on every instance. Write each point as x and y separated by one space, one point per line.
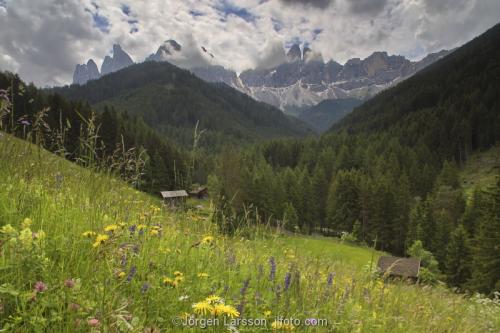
480 170
64 200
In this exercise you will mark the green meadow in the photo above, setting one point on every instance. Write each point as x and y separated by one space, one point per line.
81 251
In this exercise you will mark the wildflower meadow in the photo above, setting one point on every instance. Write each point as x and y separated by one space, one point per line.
81 251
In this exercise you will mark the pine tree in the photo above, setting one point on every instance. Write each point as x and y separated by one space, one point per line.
343 206
290 217
458 257
486 251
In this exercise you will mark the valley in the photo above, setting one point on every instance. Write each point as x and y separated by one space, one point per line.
260 166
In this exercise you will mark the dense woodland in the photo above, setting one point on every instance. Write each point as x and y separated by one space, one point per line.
68 128
388 173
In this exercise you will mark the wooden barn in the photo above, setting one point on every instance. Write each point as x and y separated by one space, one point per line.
406 268
174 198
199 193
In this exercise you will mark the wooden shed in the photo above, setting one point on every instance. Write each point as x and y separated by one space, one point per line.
199 193
174 198
399 267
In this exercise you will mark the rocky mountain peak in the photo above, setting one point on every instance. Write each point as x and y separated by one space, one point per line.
119 60
294 53
306 53
86 72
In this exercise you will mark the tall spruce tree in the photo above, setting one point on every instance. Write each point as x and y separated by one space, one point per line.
486 252
458 257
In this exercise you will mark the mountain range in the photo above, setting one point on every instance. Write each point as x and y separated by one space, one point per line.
302 80
173 101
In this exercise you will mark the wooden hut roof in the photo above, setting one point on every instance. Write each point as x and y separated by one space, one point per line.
173 194
199 190
405 267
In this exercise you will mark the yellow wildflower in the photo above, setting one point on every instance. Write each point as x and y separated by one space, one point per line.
8 230
177 273
141 227
202 308
26 237
122 225
100 239
89 234
121 275
267 313
207 240
213 299
170 282
40 235
228 310
154 232
277 325
26 223
218 309
111 228
203 275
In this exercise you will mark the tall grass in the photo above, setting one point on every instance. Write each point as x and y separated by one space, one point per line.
154 264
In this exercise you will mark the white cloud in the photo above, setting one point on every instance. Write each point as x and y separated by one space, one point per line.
43 40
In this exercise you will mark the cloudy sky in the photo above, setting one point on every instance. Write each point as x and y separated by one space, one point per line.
43 40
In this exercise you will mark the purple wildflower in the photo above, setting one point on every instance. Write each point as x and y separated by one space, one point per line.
288 280
329 280
123 260
131 273
132 229
25 122
40 287
145 287
244 289
272 273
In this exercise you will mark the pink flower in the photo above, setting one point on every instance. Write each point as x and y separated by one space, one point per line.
70 283
40 287
74 306
93 322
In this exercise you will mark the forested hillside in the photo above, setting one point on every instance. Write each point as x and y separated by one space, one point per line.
109 139
322 116
388 175
173 101
452 106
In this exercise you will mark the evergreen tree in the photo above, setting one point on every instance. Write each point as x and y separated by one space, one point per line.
458 260
290 217
486 251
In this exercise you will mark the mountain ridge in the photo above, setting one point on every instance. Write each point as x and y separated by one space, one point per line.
173 100
303 79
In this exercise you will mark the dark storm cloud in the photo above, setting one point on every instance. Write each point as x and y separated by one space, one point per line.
322 4
366 6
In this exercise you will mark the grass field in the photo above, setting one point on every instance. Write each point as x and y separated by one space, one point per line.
480 171
81 251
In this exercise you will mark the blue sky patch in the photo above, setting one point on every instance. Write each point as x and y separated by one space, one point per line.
228 9
100 22
195 13
126 10
316 32
277 24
